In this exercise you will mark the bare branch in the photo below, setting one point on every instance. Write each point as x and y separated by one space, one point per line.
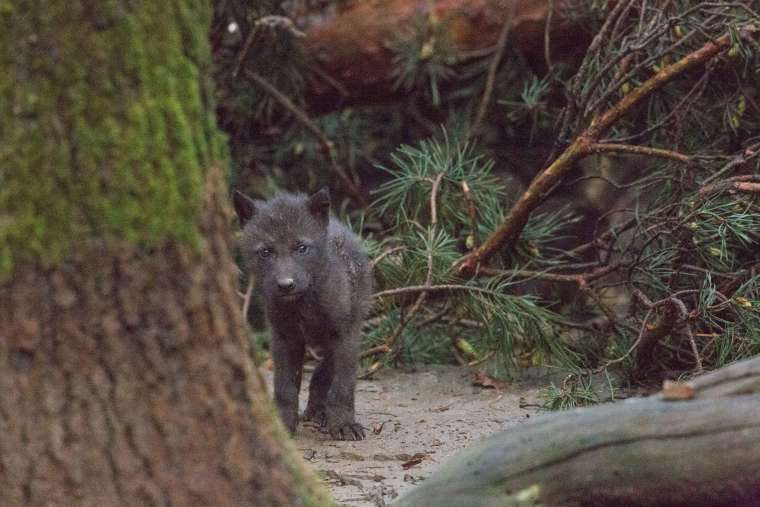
640 150
547 36
247 298
433 288
749 183
488 91
433 199
472 211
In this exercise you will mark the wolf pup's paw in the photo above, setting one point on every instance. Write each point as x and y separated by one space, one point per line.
347 431
291 426
316 415
289 419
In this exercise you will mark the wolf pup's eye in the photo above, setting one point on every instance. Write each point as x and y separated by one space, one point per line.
302 249
264 253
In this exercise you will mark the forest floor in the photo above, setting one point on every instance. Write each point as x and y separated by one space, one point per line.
414 421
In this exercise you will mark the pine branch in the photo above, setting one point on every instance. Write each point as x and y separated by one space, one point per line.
517 218
390 343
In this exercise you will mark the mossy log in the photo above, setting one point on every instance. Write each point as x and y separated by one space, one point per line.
695 444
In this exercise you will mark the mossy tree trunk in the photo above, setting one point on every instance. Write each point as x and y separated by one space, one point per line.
124 370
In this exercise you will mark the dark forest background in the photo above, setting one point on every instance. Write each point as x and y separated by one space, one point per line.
571 184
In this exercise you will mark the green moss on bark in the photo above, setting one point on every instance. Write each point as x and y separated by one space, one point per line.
106 124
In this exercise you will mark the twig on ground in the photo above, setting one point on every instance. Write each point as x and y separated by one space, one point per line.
374 368
483 359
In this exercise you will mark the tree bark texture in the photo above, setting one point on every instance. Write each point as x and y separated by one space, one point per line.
125 373
125 378
698 449
352 44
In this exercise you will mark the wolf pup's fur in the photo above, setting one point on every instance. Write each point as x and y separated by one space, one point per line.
316 283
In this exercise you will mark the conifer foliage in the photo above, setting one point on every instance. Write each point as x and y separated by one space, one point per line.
602 214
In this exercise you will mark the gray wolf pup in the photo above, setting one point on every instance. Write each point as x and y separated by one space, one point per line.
316 284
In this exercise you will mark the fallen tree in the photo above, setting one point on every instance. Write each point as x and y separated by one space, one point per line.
694 443
353 50
354 45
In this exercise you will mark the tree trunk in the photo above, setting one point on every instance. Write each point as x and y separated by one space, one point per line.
124 365
693 445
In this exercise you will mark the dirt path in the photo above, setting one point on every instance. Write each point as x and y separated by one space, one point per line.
414 421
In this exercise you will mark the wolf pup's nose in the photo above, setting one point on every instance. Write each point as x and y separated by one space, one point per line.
286 285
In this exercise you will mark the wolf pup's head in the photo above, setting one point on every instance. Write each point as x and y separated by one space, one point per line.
283 242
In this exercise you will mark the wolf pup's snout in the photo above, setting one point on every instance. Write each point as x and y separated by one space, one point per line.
286 285
315 281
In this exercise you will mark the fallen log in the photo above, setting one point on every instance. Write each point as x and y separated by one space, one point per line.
696 443
351 44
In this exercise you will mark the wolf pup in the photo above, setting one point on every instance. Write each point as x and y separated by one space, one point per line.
316 283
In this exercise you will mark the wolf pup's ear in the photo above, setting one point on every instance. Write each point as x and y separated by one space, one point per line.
319 204
245 207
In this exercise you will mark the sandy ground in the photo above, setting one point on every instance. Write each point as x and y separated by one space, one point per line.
414 421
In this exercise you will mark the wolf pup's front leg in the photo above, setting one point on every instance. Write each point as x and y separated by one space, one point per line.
319 387
287 359
340 419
